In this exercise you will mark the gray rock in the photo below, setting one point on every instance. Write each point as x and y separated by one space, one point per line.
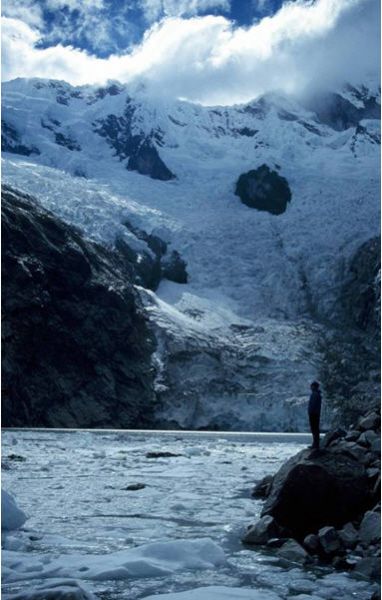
368 437
375 445
293 551
276 542
376 491
372 472
329 540
263 487
352 436
370 528
357 452
310 492
369 568
332 436
371 421
312 543
262 531
348 536
133 487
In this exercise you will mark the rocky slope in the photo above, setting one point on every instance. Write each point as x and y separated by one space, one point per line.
76 346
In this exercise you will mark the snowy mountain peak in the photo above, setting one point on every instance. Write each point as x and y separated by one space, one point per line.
237 343
74 127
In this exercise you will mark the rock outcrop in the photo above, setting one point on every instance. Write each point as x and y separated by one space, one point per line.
76 345
351 362
323 505
264 189
156 262
316 489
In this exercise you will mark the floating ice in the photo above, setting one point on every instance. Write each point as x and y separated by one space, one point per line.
218 593
149 560
11 515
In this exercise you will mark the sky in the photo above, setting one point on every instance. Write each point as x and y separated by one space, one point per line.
207 51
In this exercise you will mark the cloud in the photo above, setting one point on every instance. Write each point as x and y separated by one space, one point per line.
154 10
27 11
209 60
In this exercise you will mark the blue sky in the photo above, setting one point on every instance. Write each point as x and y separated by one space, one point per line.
105 27
207 51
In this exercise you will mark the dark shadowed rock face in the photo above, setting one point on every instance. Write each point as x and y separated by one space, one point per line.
155 263
339 113
313 490
264 189
146 160
351 362
174 268
139 149
11 141
361 291
76 347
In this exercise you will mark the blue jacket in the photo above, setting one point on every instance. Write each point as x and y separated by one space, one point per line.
314 407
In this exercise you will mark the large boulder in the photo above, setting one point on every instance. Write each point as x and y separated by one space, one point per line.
292 550
370 529
264 189
262 531
313 490
76 345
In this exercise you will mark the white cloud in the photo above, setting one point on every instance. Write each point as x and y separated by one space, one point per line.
27 11
153 10
207 59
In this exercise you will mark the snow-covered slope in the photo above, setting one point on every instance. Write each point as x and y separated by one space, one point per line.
239 343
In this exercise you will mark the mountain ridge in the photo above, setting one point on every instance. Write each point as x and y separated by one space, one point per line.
239 343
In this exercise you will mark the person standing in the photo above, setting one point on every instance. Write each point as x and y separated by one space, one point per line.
314 412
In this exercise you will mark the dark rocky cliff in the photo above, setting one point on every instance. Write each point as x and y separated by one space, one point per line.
76 345
351 349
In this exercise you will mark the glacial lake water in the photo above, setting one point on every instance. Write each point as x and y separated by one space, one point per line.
83 519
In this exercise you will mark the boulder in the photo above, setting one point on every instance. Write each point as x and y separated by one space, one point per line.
263 487
376 491
370 528
310 492
371 421
352 435
260 533
312 543
333 435
276 542
293 551
356 451
369 568
329 540
264 189
375 445
367 438
348 536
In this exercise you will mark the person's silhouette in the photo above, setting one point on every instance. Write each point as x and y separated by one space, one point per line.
314 412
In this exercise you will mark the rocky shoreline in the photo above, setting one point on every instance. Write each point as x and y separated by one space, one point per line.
323 506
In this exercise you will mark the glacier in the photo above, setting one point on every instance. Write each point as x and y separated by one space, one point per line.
238 345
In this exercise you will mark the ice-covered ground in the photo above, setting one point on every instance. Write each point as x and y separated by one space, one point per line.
176 536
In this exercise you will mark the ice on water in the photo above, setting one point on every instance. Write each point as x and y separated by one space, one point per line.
178 537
